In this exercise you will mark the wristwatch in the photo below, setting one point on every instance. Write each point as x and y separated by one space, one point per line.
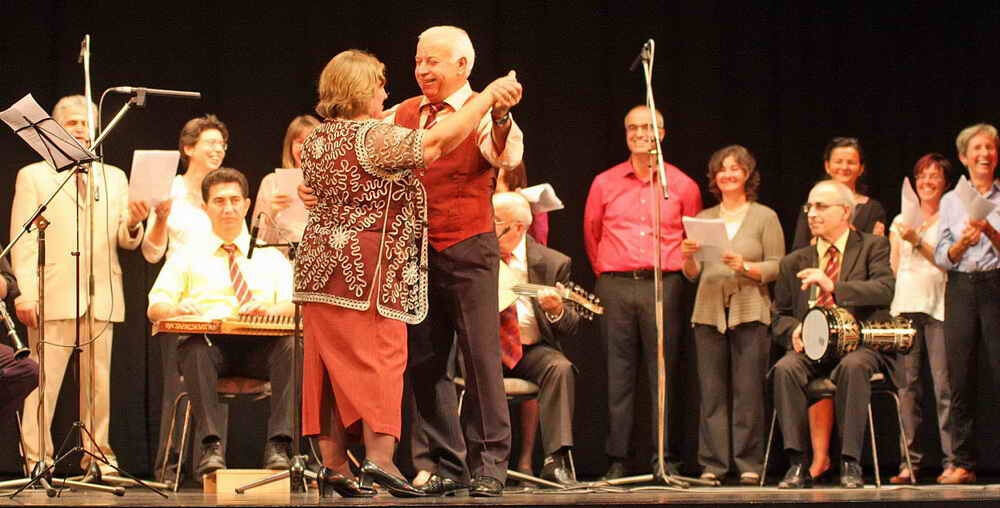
746 267
502 120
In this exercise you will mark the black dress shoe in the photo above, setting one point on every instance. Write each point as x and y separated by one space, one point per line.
276 454
397 486
556 469
438 485
850 474
212 458
346 486
615 470
486 486
797 477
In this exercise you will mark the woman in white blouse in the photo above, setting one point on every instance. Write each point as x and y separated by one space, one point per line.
920 288
177 223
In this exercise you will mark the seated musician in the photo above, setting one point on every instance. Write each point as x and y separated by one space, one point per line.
848 269
216 280
530 330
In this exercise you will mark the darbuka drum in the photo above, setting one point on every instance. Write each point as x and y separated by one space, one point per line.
829 333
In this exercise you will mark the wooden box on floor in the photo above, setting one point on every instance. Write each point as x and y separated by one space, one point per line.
225 481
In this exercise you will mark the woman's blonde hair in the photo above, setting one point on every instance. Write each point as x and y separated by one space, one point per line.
348 82
300 124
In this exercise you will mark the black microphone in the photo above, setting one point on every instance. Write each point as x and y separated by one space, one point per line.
180 94
253 235
643 55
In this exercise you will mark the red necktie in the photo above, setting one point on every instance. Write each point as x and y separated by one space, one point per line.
833 272
240 287
432 111
510 333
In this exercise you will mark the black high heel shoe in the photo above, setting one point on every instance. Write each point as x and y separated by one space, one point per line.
398 487
346 486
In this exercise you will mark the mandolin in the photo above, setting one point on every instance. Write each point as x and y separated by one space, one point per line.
586 304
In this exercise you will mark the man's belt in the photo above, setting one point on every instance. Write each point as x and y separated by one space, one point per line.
646 273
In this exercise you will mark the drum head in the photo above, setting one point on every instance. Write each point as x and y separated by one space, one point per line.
815 334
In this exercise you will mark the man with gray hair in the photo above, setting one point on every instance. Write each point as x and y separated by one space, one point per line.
117 223
846 269
463 263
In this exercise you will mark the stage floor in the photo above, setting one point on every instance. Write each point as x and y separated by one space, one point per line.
926 496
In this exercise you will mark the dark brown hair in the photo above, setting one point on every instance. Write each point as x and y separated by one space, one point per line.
192 131
224 175
744 159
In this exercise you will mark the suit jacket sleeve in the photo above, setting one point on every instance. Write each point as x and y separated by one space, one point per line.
875 290
570 321
786 290
24 253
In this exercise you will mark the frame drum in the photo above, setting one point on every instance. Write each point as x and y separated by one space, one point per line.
829 333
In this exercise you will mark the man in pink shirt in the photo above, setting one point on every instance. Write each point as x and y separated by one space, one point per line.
618 232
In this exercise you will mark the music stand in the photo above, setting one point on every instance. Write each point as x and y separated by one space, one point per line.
61 151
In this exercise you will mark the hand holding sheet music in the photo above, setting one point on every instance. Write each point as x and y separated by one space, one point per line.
710 234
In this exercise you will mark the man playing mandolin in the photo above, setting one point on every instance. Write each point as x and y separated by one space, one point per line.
846 269
530 330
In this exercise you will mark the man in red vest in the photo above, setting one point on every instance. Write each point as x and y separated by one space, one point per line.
463 263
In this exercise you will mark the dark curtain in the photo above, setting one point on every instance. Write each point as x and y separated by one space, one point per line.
780 78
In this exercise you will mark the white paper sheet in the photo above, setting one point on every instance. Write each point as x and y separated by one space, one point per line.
711 234
292 218
542 198
153 173
67 150
975 204
910 212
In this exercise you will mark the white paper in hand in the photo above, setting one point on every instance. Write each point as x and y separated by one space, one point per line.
293 218
711 234
542 198
910 212
153 173
975 204
60 149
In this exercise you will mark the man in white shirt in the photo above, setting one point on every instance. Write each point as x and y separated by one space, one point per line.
216 280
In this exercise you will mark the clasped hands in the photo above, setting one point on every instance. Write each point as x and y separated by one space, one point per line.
729 258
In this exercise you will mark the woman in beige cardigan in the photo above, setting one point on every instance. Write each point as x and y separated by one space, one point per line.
731 318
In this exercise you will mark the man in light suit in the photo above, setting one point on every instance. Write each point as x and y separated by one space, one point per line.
850 270
117 223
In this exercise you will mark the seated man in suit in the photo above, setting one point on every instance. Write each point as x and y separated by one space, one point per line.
216 280
531 328
850 270
17 377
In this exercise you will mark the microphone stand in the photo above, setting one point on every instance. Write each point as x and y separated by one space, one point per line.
297 471
659 191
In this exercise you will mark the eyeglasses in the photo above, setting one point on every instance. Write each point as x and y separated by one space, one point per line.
640 128
220 145
819 207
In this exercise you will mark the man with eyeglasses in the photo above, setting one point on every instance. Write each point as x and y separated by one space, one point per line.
847 269
618 233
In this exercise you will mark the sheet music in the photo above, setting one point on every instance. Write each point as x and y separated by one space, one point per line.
152 175
910 212
292 218
975 204
61 150
542 198
711 234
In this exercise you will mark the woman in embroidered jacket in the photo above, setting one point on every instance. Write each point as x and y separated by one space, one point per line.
361 268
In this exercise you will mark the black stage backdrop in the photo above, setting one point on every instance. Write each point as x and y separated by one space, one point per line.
779 78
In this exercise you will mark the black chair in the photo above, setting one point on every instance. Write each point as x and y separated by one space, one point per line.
822 388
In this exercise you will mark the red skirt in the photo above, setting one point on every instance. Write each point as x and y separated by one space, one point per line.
355 358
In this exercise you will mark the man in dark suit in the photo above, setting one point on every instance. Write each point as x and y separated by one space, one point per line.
850 270
537 325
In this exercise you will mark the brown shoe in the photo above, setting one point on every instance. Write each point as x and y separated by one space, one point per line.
904 477
958 475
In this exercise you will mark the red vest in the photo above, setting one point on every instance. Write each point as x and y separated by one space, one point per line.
459 187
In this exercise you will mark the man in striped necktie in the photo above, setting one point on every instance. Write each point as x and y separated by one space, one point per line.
847 269
215 279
